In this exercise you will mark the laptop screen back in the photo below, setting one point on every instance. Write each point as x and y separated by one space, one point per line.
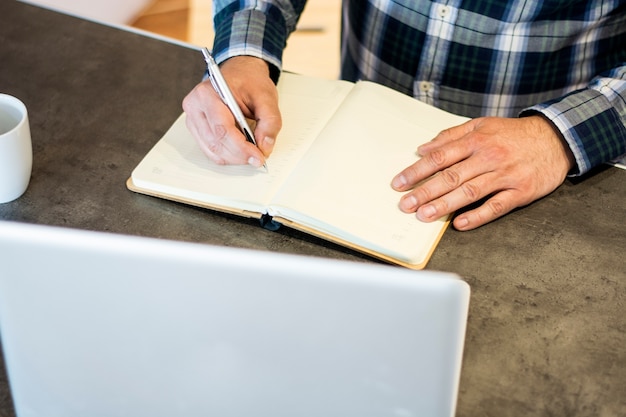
96 324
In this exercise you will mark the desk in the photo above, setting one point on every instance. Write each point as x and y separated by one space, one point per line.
547 325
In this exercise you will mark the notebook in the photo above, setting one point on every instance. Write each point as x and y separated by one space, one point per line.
329 175
100 324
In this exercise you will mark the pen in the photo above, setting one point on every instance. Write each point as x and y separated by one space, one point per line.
220 86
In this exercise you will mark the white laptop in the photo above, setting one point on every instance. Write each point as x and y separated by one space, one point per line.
97 324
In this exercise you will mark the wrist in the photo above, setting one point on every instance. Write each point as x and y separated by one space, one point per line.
552 134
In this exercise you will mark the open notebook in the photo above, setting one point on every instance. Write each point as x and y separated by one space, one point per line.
97 324
329 174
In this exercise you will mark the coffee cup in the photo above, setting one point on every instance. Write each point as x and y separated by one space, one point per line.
16 152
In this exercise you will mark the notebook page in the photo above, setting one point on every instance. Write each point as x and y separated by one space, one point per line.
342 186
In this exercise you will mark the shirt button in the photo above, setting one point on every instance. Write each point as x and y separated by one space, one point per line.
443 11
425 86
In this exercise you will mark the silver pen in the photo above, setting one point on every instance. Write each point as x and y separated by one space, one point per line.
220 86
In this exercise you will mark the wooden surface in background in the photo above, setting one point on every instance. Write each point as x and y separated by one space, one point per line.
313 49
166 17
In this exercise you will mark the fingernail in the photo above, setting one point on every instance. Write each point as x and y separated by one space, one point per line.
254 162
426 212
461 222
270 141
408 204
420 149
399 181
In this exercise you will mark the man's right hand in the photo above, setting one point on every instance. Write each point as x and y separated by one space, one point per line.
212 124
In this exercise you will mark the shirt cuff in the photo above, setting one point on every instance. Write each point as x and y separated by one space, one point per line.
590 124
251 33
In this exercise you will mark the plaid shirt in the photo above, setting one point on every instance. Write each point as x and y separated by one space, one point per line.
565 59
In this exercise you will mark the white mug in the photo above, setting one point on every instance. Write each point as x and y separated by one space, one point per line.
16 151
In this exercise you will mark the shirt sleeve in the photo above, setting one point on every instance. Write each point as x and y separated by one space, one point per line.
254 28
592 120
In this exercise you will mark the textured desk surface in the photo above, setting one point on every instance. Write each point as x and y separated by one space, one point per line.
547 326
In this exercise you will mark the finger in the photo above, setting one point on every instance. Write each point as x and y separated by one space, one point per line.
268 125
228 143
495 207
430 205
198 126
260 110
199 129
430 163
213 126
472 178
195 106
217 136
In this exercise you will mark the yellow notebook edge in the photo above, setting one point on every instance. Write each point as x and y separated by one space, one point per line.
364 250
296 226
243 213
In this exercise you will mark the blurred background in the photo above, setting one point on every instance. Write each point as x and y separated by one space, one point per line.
313 49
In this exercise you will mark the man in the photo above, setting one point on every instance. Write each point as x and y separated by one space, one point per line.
545 82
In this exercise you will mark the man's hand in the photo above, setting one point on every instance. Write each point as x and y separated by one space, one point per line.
511 161
214 127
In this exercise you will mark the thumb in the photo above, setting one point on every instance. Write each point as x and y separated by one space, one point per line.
268 124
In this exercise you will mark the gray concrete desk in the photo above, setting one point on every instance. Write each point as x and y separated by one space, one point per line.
547 326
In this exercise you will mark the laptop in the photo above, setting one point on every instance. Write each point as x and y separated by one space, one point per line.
100 324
